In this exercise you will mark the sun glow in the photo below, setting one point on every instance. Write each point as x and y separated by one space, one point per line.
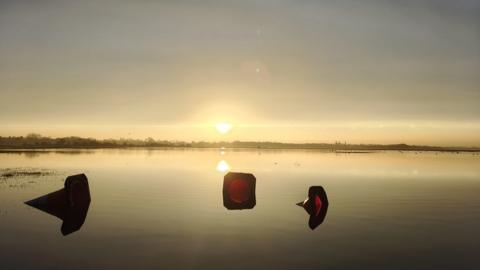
223 166
223 128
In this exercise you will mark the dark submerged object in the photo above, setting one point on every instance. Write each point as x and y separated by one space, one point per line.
69 204
239 191
316 206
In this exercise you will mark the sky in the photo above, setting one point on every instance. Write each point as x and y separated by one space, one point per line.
295 71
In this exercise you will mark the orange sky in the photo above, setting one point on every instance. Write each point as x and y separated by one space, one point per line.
365 72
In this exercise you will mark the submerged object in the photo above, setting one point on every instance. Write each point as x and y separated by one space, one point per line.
69 204
316 206
239 191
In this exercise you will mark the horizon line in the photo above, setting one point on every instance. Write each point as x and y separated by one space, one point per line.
36 136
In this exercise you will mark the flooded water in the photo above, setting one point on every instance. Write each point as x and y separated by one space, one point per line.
164 209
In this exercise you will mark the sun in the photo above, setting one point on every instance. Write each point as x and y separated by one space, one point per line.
223 128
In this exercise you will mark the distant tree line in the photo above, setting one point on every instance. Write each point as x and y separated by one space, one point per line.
37 141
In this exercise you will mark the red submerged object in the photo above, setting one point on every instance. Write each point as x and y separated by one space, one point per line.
239 191
316 206
69 204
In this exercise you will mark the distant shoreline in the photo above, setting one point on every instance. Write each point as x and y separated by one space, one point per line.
343 151
33 142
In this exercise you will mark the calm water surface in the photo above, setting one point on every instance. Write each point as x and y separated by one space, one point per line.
163 209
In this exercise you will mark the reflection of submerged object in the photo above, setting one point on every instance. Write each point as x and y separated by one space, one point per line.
316 206
239 191
70 204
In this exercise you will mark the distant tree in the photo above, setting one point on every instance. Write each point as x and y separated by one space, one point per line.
149 141
33 136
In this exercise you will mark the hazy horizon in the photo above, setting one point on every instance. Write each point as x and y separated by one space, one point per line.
267 143
289 71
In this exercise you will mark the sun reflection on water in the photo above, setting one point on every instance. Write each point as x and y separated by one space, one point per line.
223 166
